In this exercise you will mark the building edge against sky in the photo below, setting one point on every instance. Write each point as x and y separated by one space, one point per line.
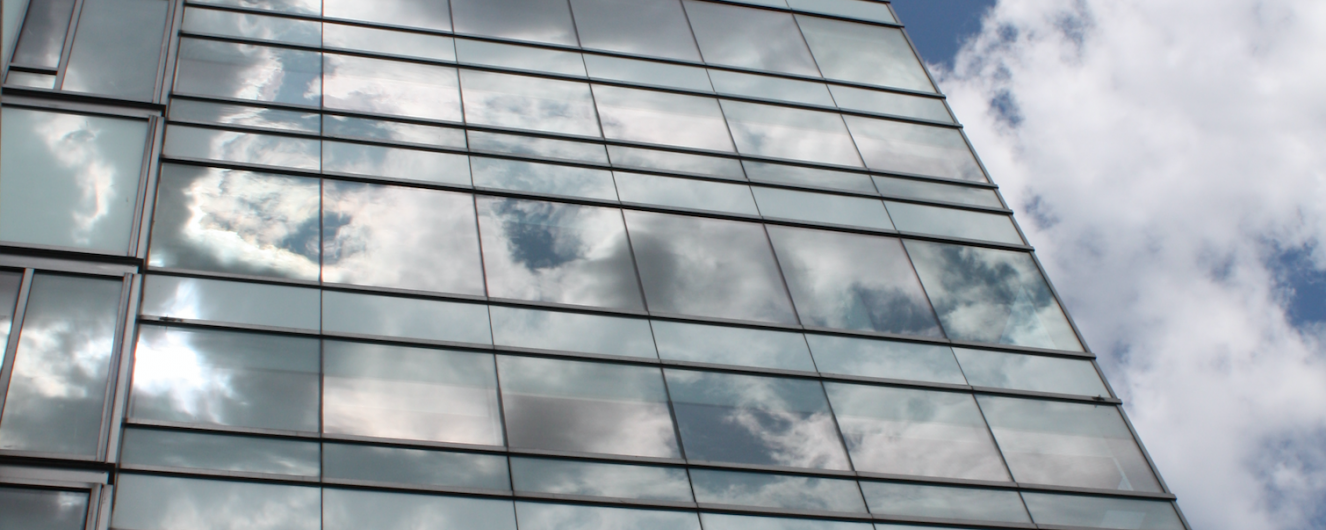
523 264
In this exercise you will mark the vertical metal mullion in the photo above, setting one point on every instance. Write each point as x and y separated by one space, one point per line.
146 201
121 378
169 37
104 504
90 517
15 331
68 44
122 318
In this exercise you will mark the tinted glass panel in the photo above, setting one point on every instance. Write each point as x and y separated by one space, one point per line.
414 466
722 521
540 516
390 42
45 27
250 148
768 87
248 26
42 509
776 491
356 509
822 208
412 318
586 407
685 193
880 102
937 192
641 27
240 303
711 166
29 79
755 420
567 477
410 393
1030 372
864 53
537 147
804 176
795 134
145 502
528 103
725 34
873 11
543 178
428 15
915 500
394 131
647 73
391 87
117 49
520 57
1102 512
885 359
531 20
954 223
9 285
727 345
396 164
303 7
707 267
917 149
243 115
550 330
245 71
662 118
220 452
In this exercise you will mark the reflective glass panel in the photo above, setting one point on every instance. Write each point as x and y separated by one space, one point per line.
410 393
302 7
940 502
768 87
220 452
776 491
1030 372
45 26
427 15
411 318
390 42
880 102
249 148
708 267
225 378
117 49
728 345
394 131
796 134
69 180
548 179
243 115
358 509
537 147
9 286
853 281
1068 444
822 208
639 27
873 11
885 359
32 509
529 103
393 88
250 26
245 71
647 72
370 463
808 177
235 302
147 502
1102 512
569 477
541 516
662 118
403 238
936 191
864 53
31 80
723 521
520 57
562 253
990 295
953 222
57 389
685 193
725 34
530 20
915 432
235 221
917 149
755 420
585 407
710 166
395 163
577 332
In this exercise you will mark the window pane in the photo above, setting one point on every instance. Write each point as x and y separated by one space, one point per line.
822 208
69 180
1068 444
520 57
727 345
725 34
356 510
9 285
31 80
548 179
936 191
220 452
247 148
398 237
117 49
796 134
243 115
390 42
776 491
398 132
940 502
755 420
991 295
647 73
57 390
235 302
552 330
885 359
662 118
560 253
241 222
685 193
42 509
540 516
586 407
769 87
915 432
249 26
409 318
530 20
427 15
864 53
873 11
709 166
569 477
880 102
917 149
372 463
45 27
954 223
245 71
302 7
145 502
808 177
226 378
529 103
708 267
410 393
853 281
395 163
537 147
394 88
1102 512
1030 372
722 521
640 27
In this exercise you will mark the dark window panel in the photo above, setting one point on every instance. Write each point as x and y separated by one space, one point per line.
822 208
529 20
413 133
804 176
542 516
728 345
569 477
519 57
1102 512
949 222
358 509
944 502
641 27
34 509
725 34
528 103
685 193
864 54
566 181
409 318
148 502
767 490
396 163
1030 372
662 118
414 466
30 80
244 115
434 14
935 191
885 359
251 26
297 7
220 452
394 88
796 134
388 42
234 302
577 332
246 71
45 26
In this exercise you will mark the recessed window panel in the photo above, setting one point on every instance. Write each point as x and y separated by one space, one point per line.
586 407
243 147
562 253
577 332
723 521
647 73
990 295
755 420
397 465
687 194
511 56
410 393
412 133
808 177
859 9
117 49
69 180
1068 444
725 34
954 223
358 509
822 208
570 477
639 27
915 432
150 502
708 267
1030 372
40 509
853 281
915 149
400 43
769 87
225 378
943 502
936 191
1102 512
434 15
221 452
797 134
57 389
300 7
662 118
768 490
885 359
567 181
251 26
864 53
729 345
244 115
30 80
528 103
9 286
709 166
542 516
394 88
537 147
246 71
408 318
395 163
236 221
529 20
234 302
881 102
45 26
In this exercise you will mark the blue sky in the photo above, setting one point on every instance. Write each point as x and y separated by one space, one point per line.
938 27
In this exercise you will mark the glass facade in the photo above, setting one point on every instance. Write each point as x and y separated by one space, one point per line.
523 264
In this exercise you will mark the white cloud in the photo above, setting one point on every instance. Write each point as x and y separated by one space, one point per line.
1159 154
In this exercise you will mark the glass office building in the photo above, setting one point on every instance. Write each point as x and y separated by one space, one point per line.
523 264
